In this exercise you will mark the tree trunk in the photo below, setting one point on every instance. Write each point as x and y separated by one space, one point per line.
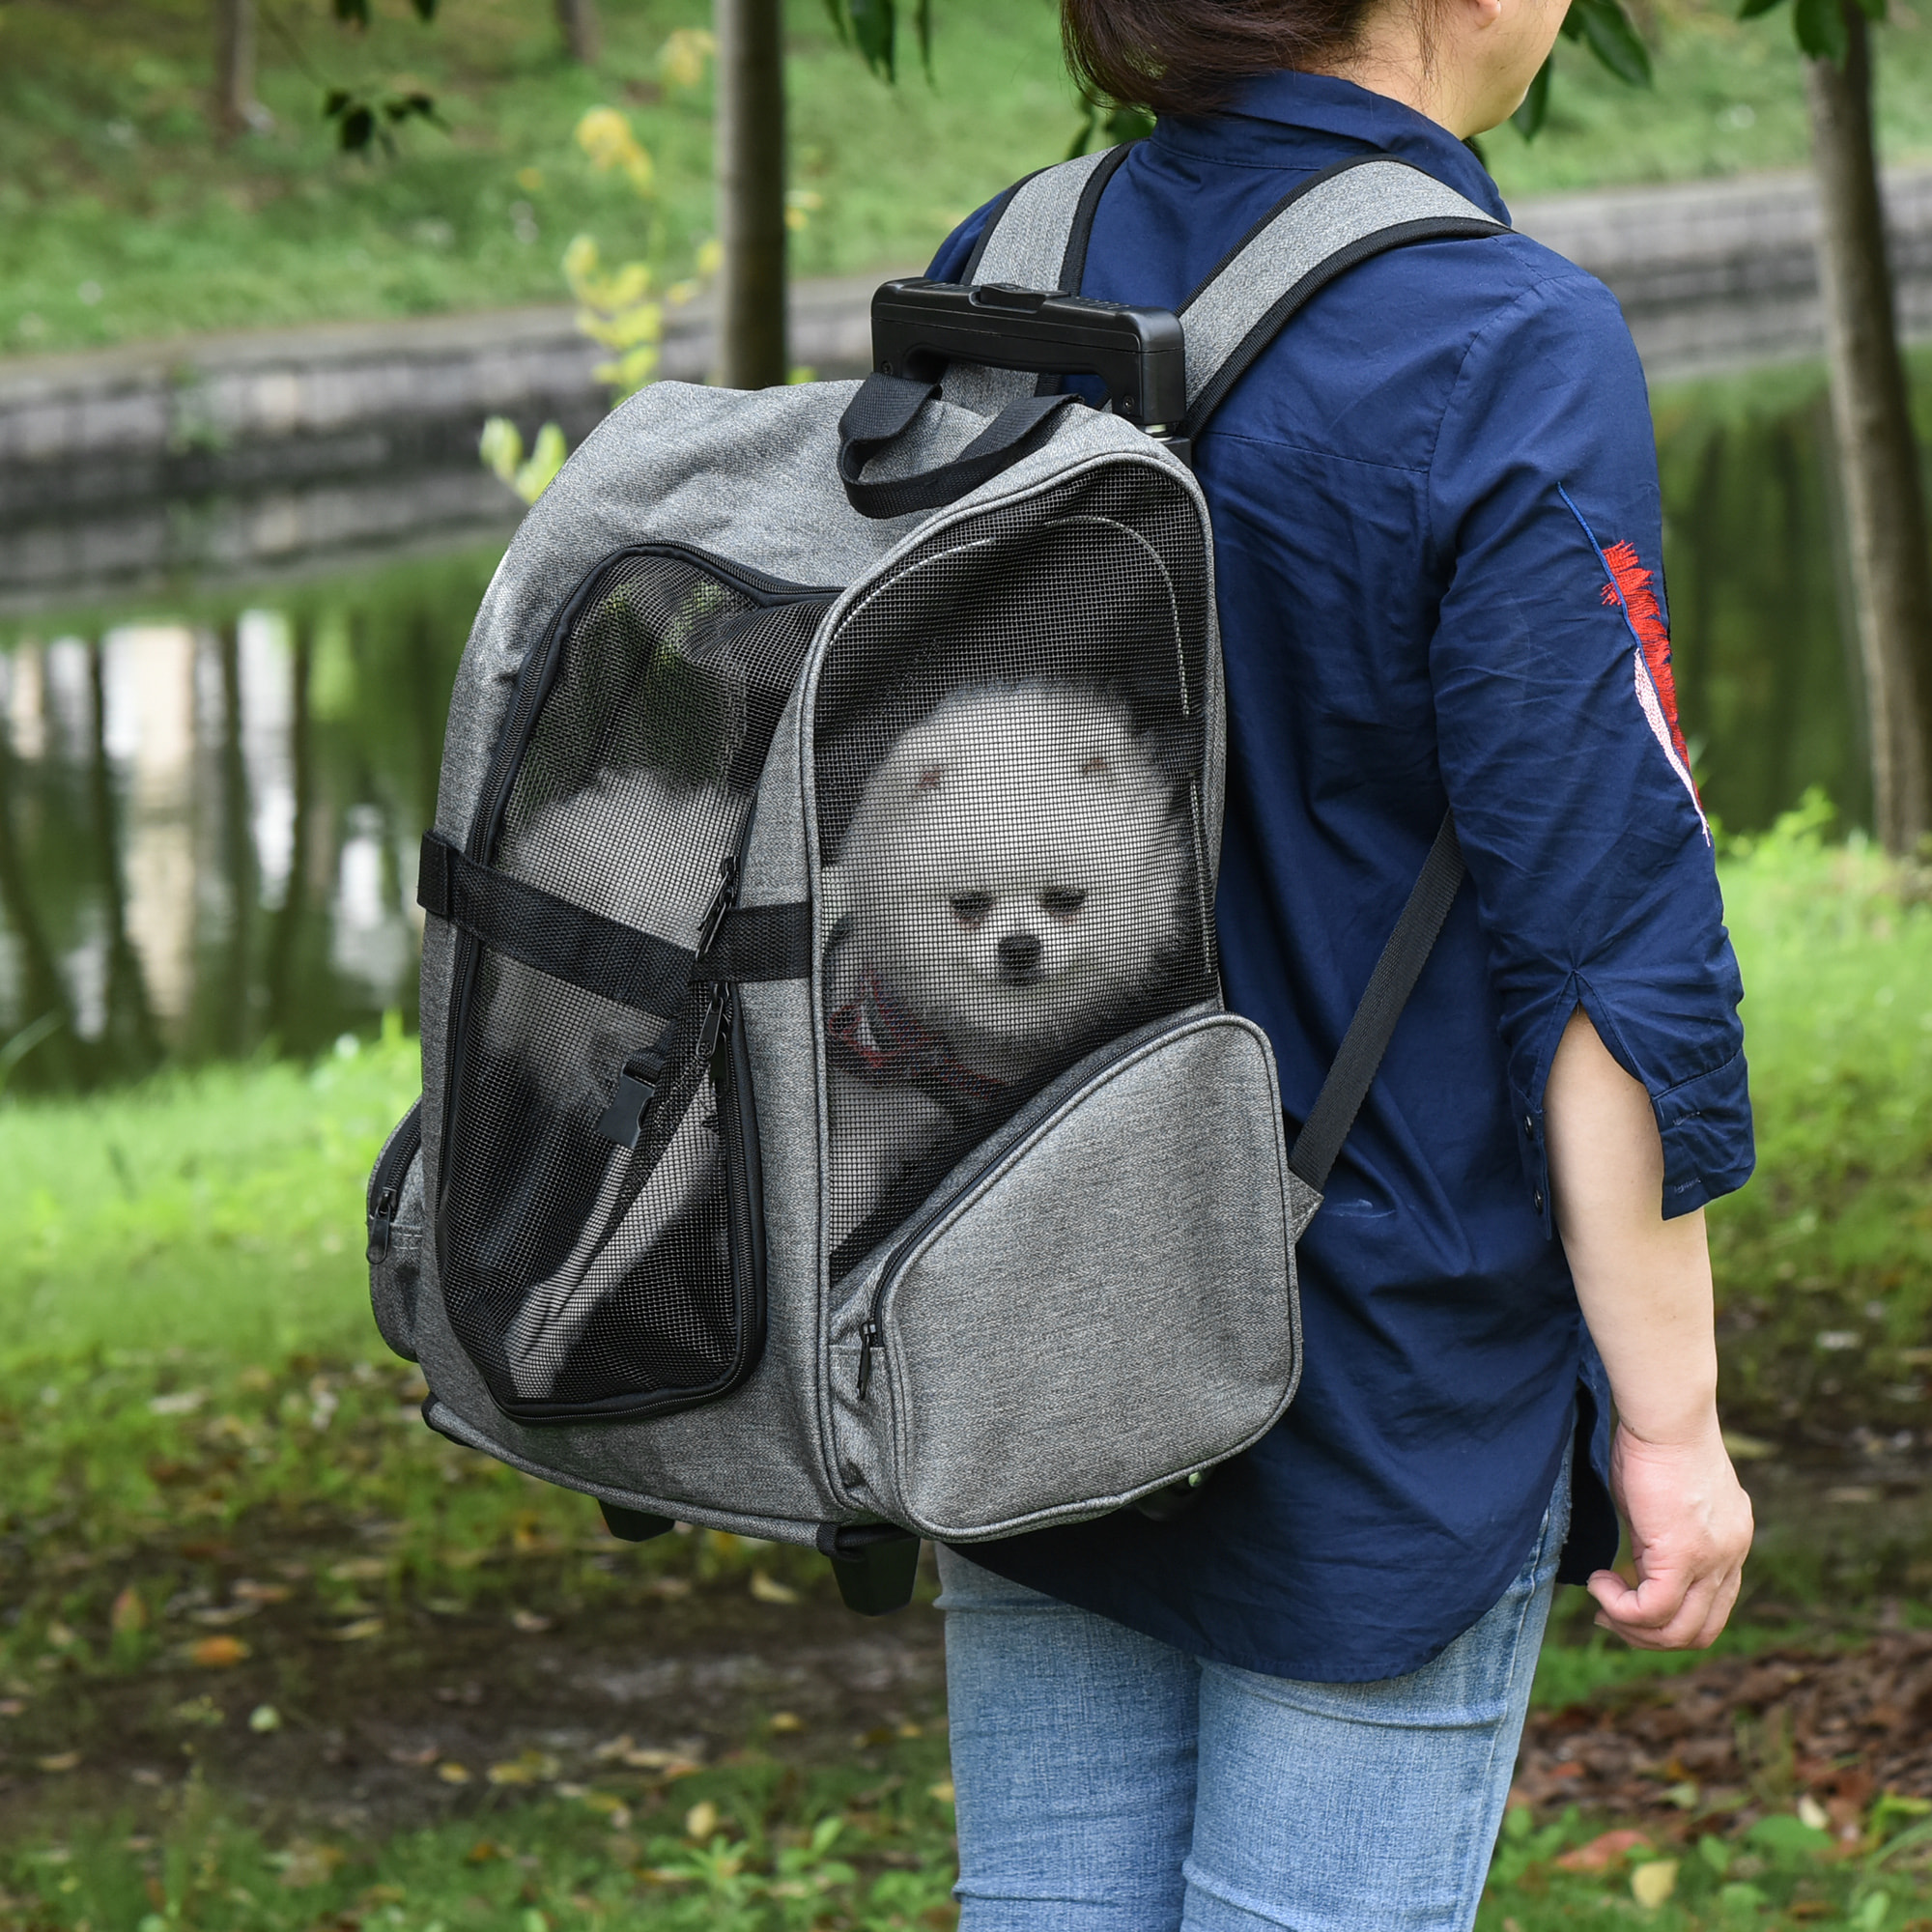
1877 454
583 37
234 65
751 194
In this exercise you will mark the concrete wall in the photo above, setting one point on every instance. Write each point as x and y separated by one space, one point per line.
289 449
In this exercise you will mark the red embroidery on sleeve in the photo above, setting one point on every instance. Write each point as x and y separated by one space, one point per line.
1630 588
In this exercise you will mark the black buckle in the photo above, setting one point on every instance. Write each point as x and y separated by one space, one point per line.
623 1120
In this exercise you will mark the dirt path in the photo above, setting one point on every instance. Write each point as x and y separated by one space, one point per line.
439 1713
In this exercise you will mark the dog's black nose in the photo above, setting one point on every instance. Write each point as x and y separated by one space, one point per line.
1019 954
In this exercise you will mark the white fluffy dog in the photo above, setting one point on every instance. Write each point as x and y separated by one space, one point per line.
1013 884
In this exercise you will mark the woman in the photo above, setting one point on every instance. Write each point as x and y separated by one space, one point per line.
1437 536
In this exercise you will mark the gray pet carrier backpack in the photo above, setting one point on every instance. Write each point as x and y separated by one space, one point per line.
831 1128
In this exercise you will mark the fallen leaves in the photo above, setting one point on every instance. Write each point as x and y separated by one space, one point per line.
532 1767
701 1821
529 1622
359 1632
452 1773
217 1653
128 1614
1824 1730
1603 1852
304 1864
767 1590
60 1761
1652 1883
265 1718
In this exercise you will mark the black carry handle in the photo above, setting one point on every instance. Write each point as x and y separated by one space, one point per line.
883 411
919 327
1370 1032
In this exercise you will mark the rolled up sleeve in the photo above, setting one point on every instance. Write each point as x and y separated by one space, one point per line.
1560 742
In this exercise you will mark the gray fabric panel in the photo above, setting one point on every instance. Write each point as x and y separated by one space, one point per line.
1332 215
773 1529
1026 250
751 475
1113 1307
1302 1202
395 1282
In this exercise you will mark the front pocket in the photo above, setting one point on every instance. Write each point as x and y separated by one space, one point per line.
1106 1306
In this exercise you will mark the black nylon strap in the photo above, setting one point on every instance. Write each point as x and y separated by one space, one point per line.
883 411
603 956
1074 263
1370 1032
766 942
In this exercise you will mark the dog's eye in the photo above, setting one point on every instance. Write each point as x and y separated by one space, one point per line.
1062 901
972 908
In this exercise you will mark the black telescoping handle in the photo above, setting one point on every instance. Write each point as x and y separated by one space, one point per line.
919 327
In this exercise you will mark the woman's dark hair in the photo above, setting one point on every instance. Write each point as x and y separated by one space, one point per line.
1184 56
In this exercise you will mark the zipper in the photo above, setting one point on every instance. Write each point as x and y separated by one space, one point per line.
743 1184
386 1184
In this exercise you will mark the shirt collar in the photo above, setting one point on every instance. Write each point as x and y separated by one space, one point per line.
1268 112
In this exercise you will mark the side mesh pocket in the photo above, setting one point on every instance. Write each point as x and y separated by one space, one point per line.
1106 1307
597 1233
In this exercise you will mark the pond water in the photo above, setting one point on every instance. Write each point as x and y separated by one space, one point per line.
211 801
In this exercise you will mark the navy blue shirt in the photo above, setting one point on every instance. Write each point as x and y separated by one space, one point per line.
1438 538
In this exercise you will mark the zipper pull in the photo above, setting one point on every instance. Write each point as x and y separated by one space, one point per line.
714 1027
381 1222
869 1339
727 896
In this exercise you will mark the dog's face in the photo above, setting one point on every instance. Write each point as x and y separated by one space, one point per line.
1015 871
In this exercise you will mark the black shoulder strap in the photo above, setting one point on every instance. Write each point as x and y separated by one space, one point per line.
1370 1032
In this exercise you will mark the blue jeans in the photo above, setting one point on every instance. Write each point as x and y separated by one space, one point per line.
1107 1783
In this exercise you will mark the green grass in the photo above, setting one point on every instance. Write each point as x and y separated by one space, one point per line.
112 186
188 1373
1825 1261
122 217
865 1844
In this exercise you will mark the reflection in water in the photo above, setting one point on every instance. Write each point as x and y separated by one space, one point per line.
1759 625
210 812
209 821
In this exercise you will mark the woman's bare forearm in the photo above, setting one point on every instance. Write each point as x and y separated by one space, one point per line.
1644 1283
1644 1287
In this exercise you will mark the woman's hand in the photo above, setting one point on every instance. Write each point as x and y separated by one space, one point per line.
1644 1286
1690 1529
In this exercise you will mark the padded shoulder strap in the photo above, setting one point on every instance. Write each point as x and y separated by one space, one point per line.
1331 221
1033 239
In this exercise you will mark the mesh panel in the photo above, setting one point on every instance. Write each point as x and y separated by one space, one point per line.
579 1273
1009 739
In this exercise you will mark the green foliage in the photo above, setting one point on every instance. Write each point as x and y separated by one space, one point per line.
1817 25
871 27
1778 1872
1824 1263
501 448
1604 28
757 1846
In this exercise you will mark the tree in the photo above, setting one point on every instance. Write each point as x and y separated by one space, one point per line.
582 33
751 191
234 105
1871 414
